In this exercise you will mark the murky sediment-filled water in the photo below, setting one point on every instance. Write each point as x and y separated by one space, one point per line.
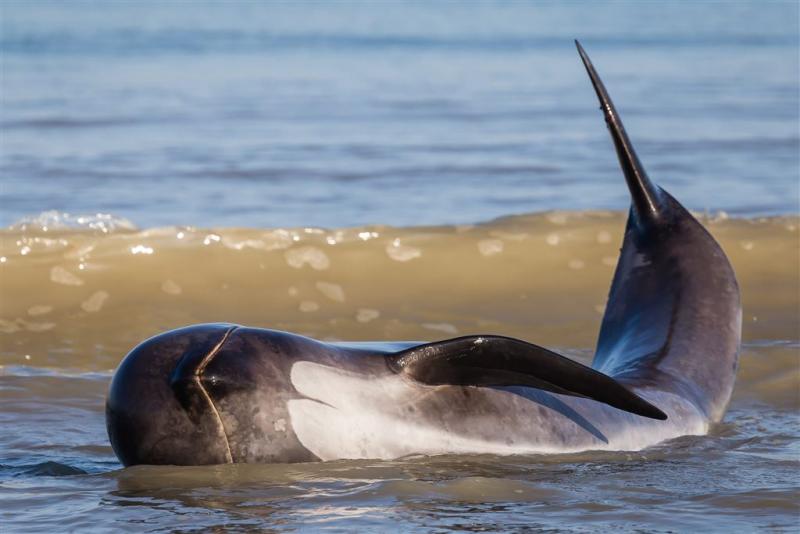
77 300
360 171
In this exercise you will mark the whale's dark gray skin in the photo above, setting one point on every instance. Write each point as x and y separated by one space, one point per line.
664 367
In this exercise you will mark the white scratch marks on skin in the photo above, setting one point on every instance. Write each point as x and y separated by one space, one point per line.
280 425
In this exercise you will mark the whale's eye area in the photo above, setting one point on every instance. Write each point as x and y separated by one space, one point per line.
216 385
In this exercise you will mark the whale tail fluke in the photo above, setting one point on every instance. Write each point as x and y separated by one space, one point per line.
496 361
673 316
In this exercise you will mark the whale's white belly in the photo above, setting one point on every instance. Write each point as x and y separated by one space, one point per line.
348 415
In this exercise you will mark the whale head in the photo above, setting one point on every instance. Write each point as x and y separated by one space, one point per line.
158 410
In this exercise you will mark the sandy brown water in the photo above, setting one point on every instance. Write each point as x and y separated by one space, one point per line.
77 295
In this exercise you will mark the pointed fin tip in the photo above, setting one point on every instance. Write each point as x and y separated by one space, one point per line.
645 196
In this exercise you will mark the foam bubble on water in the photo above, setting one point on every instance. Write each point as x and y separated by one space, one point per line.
141 249
557 217
552 239
747 245
366 236
447 328
245 243
308 306
39 309
603 237
332 291
399 252
365 315
720 216
36 327
490 247
510 236
56 220
8 327
79 253
171 288
576 264
313 256
293 292
95 302
211 238
60 275
611 261
274 240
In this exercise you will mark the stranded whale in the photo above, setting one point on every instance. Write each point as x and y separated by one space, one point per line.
664 367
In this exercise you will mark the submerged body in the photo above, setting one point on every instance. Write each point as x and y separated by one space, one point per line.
664 367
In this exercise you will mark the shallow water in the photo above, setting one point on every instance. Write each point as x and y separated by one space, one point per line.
278 164
68 319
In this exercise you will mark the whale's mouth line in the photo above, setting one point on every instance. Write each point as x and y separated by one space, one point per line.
199 377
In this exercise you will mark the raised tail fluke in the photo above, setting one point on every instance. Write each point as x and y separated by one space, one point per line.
648 202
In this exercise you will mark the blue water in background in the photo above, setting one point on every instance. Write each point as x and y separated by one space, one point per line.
333 114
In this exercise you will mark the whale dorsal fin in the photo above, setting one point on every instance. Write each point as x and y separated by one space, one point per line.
494 361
